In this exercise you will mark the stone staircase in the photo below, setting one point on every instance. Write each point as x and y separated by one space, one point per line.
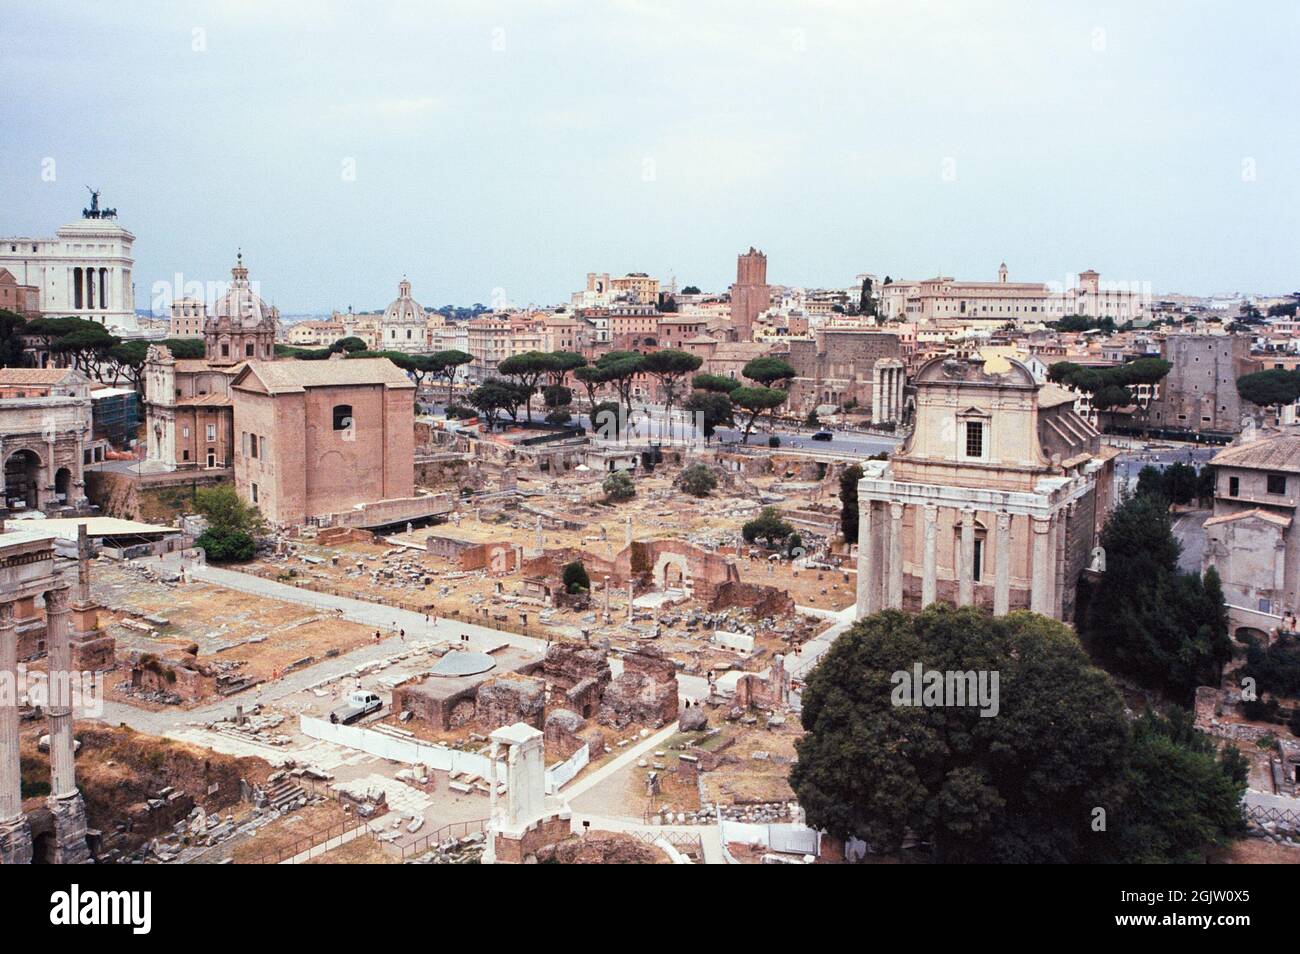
282 790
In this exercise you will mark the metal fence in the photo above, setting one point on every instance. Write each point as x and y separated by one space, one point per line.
438 836
1265 813
312 840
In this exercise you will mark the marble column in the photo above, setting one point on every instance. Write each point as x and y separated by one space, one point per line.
864 559
1002 566
64 802
15 836
929 587
872 531
966 580
1062 526
62 775
1040 597
895 599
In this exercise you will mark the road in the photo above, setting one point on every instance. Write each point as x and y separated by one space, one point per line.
1130 463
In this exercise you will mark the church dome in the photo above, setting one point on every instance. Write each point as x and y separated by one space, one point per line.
239 301
404 308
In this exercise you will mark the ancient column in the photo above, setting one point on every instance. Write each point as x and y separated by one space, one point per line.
1040 597
64 802
62 775
629 600
966 581
1061 527
928 584
864 557
15 836
1002 566
895 556
627 534
540 541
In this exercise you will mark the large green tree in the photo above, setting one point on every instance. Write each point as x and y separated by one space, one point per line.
1019 786
446 364
769 371
1182 797
11 339
495 396
1269 388
756 401
668 367
620 368
527 369
1165 629
713 410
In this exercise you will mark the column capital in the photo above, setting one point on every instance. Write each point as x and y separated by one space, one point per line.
57 599
896 509
1003 520
1041 524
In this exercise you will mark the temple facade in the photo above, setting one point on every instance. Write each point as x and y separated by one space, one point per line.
996 499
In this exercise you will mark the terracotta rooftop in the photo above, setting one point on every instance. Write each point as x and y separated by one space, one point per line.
1272 453
287 376
34 375
1255 513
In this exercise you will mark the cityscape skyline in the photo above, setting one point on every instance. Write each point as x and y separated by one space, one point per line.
656 149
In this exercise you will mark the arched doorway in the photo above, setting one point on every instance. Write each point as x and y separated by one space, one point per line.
22 479
63 484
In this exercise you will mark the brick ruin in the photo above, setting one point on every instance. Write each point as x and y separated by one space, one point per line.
645 692
708 576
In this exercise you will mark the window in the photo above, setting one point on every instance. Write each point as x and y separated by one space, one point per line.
212 433
225 351
974 438
252 444
342 417
248 350
253 487
1234 486
976 573
1277 484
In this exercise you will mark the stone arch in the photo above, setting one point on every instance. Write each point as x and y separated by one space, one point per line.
23 470
63 484
682 571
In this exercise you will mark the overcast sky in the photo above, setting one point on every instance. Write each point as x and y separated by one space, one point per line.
518 146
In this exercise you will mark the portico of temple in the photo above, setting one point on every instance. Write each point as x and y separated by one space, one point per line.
996 499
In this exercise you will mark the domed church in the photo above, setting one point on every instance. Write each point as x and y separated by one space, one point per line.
404 325
240 327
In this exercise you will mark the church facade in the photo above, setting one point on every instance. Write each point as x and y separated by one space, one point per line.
996 499
188 411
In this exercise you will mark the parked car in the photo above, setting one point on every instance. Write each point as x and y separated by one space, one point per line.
359 703
823 435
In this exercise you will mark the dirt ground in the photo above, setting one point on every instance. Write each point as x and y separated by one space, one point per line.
260 636
358 851
404 573
1257 851
291 833
743 779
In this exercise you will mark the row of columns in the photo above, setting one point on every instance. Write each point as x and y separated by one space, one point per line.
64 800
84 282
887 379
881 551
